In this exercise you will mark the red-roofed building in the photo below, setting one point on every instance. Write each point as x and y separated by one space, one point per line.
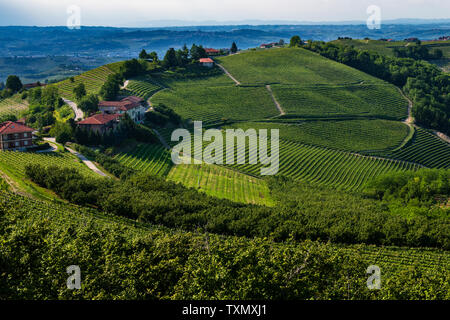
15 136
134 106
100 123
212 52
33 85
207 62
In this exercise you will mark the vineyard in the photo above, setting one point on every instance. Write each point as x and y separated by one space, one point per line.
92 80
60 216
222 183
14 105
333 101
150 158
16 161
213 104
425 149
290 66
347 135
143 88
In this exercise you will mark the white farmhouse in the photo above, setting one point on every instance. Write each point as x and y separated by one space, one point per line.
135 107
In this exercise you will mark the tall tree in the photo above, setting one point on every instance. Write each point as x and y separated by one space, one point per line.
295 42
13 83
170 59
143 54
79 91
234 47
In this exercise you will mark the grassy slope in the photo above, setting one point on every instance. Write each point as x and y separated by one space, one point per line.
13 105
348 135
222 183
290 66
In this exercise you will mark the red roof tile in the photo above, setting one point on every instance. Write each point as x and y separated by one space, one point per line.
125 104
206 60
211 50
100 119
9 127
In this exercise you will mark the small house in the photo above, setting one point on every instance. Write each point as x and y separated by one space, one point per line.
15 136
207 62
100 123
134 106
212 52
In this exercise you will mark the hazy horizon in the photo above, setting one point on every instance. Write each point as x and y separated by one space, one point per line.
164 13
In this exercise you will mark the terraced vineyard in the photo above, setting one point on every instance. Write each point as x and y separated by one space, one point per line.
334 101
92 80
14 105
143 88
15 161
425 149
290 66
213 104
150 158
222 183
348 135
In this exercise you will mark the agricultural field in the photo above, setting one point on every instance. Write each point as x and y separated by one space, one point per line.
425 149
92 79
290 66
221 182
143 88
347 135
334 101
13 105
382 47
150 158
15 161
216 103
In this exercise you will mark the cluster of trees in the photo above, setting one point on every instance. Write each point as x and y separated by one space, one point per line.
123 262
303 211
162 115
424 83
418 52
43 102
153 56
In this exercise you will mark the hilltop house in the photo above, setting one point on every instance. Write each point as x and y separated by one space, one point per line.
100 123
207 62
212 52
135 107
15 136
33 85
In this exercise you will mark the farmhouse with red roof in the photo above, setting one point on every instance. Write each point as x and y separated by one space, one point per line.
207 62
15 136
212 52
100 123
133 106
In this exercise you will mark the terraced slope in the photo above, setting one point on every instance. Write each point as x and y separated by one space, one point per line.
215 103
150 158
221 182
143 88
337 101
290 66
15 161
14 105
92 80
425 149
347 135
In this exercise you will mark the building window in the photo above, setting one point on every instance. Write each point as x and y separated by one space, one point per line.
25 135
17 144
25 143
16 135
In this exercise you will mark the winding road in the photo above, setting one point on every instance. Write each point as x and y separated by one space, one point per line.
78 112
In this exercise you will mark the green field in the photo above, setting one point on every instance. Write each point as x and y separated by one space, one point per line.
216 103
150 158
14 105
348 135
333 101
92 80
425 149
290 66
221 182
143 88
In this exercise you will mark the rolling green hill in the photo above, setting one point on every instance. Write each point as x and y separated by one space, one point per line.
290 66
13 105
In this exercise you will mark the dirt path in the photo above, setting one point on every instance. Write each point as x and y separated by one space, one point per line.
87 162
78 113
228 74
277 104
125 85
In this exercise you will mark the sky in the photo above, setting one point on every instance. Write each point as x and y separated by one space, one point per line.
141 13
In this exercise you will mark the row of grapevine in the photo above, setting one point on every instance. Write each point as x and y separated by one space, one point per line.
149 158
